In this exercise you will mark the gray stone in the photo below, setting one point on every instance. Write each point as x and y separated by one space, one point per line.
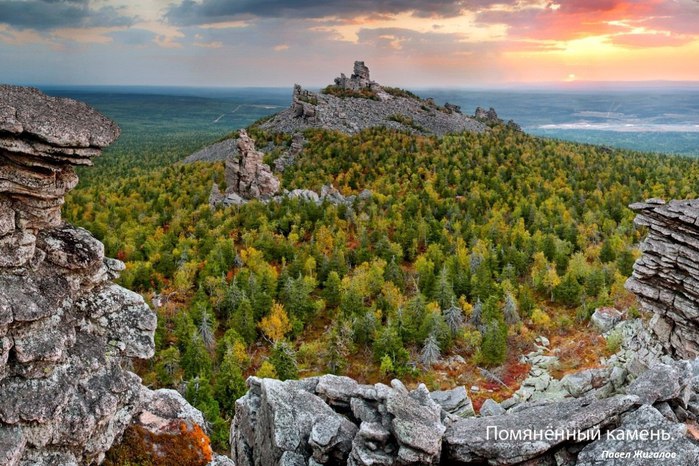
353 114
605 318
7 218
64 395
161 407
646 418
579 383
288 420
220 460
454 401
28 113
417 426
247 175
12 444
491 407
665 277
659 383
468 441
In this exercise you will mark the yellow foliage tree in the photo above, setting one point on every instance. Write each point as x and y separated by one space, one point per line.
276 325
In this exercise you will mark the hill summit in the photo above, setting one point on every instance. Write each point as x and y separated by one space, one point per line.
356 103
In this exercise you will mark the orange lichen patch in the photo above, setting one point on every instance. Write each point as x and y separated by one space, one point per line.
183 445
692 430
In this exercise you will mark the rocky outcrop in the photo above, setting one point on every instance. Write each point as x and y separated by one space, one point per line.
359 80
247 176
289 156
486 116
356 103
666 278
333 420
65 328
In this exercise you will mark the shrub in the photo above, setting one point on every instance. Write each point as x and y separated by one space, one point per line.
614 340
343 93
540 319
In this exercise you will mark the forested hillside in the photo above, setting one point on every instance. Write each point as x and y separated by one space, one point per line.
471 245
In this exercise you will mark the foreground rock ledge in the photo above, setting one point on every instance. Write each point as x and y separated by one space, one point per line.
64 326
333 420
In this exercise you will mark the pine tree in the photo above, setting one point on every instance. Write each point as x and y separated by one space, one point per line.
413 316
476 315
363 329
510 310
206 331
430 353
230 384
494 346
196 360
332 289
243 321
167 368
283 358
393 273
352 303
444 293
336 351
454 317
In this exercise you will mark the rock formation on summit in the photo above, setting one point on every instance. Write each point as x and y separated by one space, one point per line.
64 326
359 80
666 277
356 103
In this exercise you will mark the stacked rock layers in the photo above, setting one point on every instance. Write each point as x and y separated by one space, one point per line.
64 326
666 277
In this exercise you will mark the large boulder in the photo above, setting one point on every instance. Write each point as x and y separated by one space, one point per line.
605 318
645 437
498 439
455 401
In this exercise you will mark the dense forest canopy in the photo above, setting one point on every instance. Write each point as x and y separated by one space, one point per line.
470 245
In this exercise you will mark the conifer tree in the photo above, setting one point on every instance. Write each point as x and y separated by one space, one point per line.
230 383
430 353
283 358
454 318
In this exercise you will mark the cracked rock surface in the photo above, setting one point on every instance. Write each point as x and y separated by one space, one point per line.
65 328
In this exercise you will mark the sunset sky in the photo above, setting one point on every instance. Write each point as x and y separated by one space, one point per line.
407 42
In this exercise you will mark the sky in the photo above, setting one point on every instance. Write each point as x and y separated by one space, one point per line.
411 43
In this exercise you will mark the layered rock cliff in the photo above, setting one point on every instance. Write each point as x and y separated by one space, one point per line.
65 328
666 277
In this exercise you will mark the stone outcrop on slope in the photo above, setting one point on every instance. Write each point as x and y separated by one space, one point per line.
248 178
361 103
64 326
247 175
666 277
